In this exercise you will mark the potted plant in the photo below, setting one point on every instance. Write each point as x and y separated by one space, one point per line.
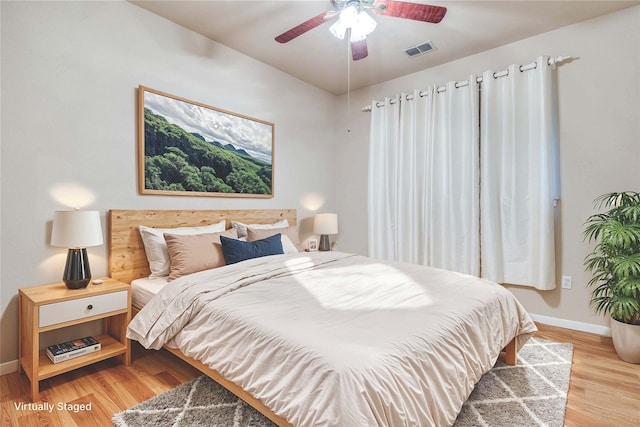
615 264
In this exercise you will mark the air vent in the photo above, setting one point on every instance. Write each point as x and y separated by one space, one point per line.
420 49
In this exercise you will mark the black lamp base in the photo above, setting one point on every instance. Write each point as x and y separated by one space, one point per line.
77 273
325 245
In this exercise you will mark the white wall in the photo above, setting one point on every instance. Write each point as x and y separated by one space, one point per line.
599 113
69 76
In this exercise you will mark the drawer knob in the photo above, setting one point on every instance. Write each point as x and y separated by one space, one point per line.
90 307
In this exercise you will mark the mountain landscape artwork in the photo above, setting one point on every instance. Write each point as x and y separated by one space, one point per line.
187 148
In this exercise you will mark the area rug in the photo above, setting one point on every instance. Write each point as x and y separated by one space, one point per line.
532 393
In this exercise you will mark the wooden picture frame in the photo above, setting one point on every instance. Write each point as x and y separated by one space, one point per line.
186 148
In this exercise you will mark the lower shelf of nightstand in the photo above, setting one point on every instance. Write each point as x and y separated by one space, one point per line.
110 347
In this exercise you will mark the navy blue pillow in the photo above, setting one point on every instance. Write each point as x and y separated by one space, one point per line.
235 250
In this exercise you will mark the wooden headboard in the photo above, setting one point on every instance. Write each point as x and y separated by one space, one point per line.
127 259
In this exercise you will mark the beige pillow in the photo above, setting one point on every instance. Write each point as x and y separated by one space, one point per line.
242 227
290 240
156 248
196 252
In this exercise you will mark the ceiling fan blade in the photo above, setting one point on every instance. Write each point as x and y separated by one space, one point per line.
305 26
415 11
359 50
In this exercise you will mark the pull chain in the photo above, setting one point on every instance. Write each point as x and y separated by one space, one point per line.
348 78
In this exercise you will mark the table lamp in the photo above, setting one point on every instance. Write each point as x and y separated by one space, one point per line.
325 224
76 230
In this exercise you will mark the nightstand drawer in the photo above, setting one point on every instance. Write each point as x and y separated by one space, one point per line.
65 311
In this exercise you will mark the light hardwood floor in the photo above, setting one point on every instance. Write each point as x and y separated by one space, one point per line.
604 391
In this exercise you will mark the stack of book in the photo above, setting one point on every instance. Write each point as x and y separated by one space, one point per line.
71 349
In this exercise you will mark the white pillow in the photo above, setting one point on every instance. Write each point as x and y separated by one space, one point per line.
241 228
156 247
287 245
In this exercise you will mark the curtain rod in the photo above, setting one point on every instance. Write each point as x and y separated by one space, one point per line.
530 66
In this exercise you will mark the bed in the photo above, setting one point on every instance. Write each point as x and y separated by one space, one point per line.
323 338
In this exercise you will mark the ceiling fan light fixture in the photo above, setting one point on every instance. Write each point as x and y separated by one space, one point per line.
347 19
361 24
338 29
349 16
365 26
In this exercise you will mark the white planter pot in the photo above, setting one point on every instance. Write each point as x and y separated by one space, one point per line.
626 340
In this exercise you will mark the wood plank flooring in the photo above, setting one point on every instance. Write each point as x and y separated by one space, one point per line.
604 391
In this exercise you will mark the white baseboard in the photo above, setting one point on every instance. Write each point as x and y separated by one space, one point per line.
572 324
9 367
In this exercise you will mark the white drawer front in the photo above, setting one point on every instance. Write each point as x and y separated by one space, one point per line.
64 311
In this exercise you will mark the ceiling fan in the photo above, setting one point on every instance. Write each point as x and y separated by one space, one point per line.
354 19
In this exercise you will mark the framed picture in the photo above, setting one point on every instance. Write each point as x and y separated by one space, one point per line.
186 148
313 245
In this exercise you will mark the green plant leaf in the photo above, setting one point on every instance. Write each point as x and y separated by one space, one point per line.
615 259
627 266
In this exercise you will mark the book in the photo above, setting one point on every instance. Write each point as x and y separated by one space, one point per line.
71 349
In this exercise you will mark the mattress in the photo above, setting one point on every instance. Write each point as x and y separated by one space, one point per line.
333 339
142 290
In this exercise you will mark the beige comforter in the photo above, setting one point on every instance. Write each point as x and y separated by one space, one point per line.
333 339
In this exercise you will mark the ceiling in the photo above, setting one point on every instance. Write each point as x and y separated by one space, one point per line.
322 60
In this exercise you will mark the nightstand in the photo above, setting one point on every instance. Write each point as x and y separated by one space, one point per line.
49 307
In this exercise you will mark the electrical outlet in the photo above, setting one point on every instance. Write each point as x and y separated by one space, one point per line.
566 282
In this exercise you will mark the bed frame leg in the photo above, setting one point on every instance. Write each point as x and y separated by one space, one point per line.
511 354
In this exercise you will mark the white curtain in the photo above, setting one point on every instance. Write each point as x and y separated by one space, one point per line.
423 179
517 182
446 194
383 164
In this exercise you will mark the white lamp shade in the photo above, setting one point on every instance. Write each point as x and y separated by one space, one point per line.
326 223
349 16
365 26
76 229
338 29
